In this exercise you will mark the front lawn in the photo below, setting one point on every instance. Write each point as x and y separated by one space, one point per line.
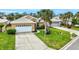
57 39
75 28
7 42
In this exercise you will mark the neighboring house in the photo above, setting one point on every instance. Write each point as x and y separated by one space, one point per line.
24 24
4 21
56 21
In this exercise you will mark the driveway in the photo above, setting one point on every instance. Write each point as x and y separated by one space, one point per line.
28 41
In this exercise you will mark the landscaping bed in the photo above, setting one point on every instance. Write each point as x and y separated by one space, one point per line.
7 42
56 39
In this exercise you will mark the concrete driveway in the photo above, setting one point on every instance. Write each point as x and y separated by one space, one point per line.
28 41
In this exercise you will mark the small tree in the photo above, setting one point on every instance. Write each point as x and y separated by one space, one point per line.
46 15
74 21
1 25
78 21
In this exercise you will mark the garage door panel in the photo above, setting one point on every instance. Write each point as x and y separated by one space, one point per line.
24 29
55 24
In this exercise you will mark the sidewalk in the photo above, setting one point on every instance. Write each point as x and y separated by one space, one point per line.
69 30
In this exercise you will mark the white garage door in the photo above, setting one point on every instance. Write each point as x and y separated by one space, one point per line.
23 28
55 24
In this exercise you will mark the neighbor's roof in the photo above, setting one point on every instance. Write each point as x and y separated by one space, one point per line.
23 20
3 20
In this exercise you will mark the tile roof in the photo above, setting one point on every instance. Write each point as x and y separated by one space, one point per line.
56 19
3 20
25 19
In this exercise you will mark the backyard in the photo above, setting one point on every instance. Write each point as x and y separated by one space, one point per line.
7 42
56 39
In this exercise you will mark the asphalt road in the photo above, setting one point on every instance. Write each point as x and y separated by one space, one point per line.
74 46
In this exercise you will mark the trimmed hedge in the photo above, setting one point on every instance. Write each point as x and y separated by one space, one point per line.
11 31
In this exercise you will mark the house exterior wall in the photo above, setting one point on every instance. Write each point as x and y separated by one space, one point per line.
56 24
24 24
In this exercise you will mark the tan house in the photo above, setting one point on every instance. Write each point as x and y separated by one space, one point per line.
24 24
56 21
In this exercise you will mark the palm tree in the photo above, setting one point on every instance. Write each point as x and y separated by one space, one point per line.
63 18
66 17
46 15
10 16
77 15
13 16
18 15
69 16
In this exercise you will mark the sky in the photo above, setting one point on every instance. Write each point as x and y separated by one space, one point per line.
56 11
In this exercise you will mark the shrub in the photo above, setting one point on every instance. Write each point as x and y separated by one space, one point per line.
1 25
42 27
11 31
62 24
47 31
74 21
9 24
69 26
74 35
0 29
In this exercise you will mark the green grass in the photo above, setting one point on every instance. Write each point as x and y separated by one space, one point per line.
57 39
7 42
75 28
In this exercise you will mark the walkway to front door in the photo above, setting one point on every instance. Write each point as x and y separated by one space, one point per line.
28 41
